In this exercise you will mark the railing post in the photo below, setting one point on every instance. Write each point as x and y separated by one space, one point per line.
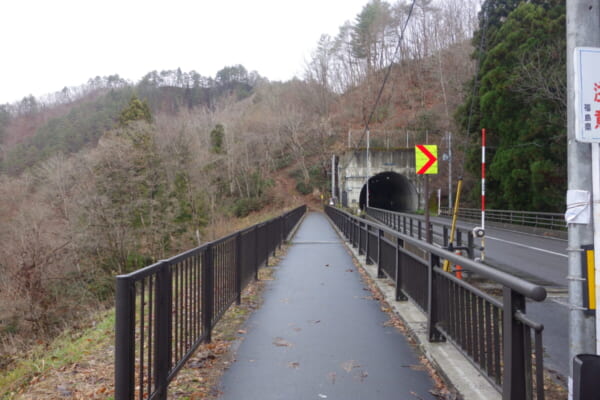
419 227
207 292
162 343
471 245
238 267
360 250
280 232
429 233
347 230
514 380
124 339
379 268
255 248
265 243
367 246
432 304
400 296
446 237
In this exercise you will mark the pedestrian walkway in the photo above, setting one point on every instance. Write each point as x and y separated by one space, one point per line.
320 334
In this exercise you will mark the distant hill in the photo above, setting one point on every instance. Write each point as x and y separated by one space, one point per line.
33 132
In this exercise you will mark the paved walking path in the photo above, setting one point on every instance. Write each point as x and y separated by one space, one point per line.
320 335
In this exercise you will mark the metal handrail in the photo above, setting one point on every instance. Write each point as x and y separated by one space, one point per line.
545 220
495 335
166 310
528 289
402 222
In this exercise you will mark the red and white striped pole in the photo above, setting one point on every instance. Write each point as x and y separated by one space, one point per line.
483 193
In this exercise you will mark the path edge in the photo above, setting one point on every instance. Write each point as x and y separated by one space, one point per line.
445 357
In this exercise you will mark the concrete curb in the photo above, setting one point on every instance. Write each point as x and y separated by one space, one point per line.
457 370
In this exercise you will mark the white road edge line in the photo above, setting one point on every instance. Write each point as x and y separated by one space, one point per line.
528 247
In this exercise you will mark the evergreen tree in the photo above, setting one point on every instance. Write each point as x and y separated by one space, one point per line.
521 103
4 121
216 139
136 110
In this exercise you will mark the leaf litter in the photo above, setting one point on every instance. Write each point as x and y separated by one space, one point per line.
441 389
92 378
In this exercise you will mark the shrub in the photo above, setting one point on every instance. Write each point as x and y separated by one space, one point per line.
243 207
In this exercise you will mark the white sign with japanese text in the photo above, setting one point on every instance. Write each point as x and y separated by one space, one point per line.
587 94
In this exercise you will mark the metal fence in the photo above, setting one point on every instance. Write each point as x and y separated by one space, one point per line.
166 310
414 226
542 220
495 334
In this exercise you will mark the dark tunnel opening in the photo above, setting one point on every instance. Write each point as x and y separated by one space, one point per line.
390 191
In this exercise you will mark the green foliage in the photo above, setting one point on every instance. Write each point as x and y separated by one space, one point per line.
114 103
136 110
317 178
283 161
244 206
304 188
4 121
369 30
217 136
234 80
255 197
82 126
192 211
70 348
521 102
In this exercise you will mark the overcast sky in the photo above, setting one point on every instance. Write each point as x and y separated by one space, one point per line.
50 44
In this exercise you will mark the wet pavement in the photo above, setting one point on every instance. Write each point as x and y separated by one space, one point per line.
320 334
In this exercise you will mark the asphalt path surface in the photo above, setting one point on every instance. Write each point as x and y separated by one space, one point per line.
320 334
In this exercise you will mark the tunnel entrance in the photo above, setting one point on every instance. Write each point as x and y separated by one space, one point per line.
390 191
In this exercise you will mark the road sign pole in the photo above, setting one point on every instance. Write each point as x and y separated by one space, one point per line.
425 164
428 237
583 29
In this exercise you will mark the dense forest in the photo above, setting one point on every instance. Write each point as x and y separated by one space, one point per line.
519 96
107 177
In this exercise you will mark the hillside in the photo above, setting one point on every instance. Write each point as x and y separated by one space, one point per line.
108 177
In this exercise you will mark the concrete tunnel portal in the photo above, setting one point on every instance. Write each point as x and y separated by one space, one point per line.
390 191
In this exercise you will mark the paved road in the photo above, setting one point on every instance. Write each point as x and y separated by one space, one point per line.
543 260
319 334
539 259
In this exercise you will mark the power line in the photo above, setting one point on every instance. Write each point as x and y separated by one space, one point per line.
386 77
389 69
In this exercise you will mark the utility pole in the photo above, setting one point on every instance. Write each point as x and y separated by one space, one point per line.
583 29
368 168
449 172
333 178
